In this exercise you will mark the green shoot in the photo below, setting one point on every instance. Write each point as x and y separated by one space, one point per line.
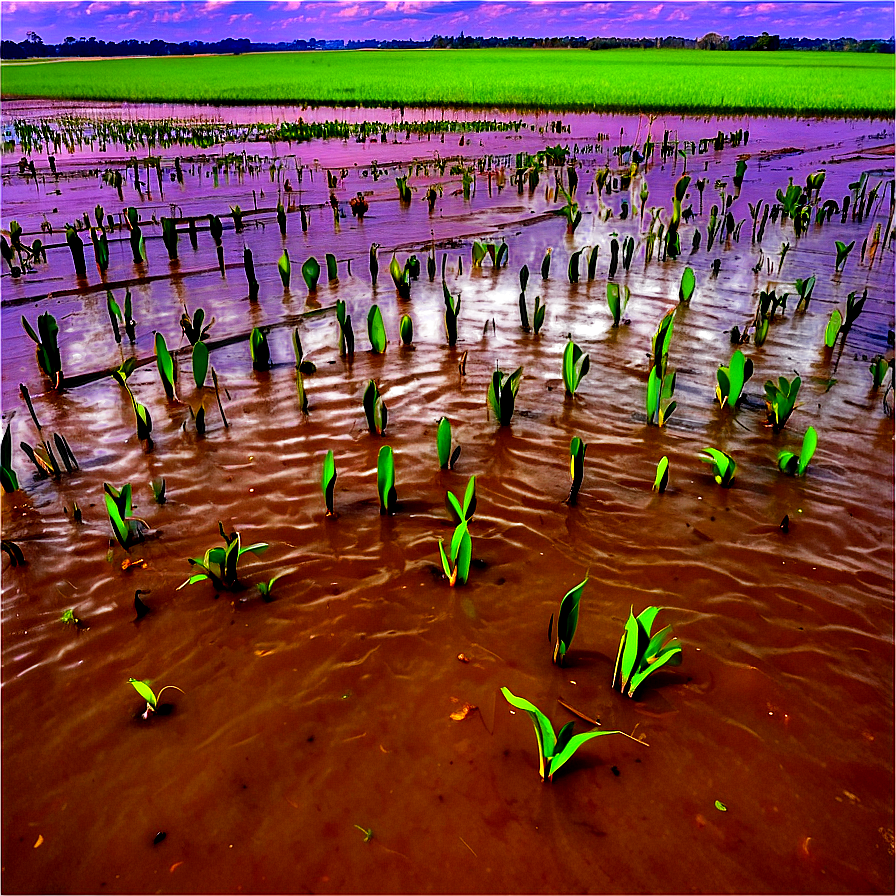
661 480
266 589
69 618
346 334
375 410
576 468
879 367
219 565
843 251
731 379
567 621
452 311
447 458
456 563
195 329
832 330
462 514
127 530
401 277
502 392
688 283
47 342
374 262
146 692
661 384
328 481
406 329
332 273
641 654
367 832
259 350
165 363
200 363
159 488
7 475
796 466
311 273
376 330
804 291
284 268
617 299
780 399
575 365
385 480
554 751
546 264
538 315
723 466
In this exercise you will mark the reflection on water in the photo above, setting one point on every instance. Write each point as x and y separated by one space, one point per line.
329 707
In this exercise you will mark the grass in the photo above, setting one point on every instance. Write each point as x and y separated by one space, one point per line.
612 80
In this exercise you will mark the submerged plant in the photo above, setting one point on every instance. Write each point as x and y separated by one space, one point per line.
375 410
159 487
458 513
502 392
554 751
376 330
575 365
688 283
576 468
128 530
731 379
328 481
406 329
8 476
661 480
660 383
311 273
146 692
447 457
259 350
284 268
640 653
346 333
843 251
385 480
723 466
456 563
220 565
567 621
617 299
47 341
452 311
788 462
780 399
165 364
879 368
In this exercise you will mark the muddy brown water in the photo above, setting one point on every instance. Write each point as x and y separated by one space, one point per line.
329 709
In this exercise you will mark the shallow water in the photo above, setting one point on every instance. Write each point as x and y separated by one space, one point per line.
330 706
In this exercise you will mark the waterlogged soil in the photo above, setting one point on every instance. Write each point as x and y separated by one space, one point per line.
363 697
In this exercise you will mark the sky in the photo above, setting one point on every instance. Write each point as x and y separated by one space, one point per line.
286 20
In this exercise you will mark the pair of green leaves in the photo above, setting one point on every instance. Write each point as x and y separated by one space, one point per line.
723 466
462 513
640 653
376 330
554 751
780 399
617 299
220 565
576 364
447 457
126 529
375 409
502 392
385 480
567 622
346 333
731 379
788 462
452 312
456 563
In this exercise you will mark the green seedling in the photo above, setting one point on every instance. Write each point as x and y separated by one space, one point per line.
47 342
833 328
200 363
266 589
376 330
100 248
406 329
502 392
195 328
879 367
546 264
401 277
576 364
165 364
311 273
332 273
723 466
572 270
404 191
367 832
159 488
804 291
640 654
688 284
592 263
538 315
375 410
576 468
249 267
478 253
456 563
554 751
284 268
138 243
259 350
661 480
346 333
614 257
281 218
220 565
843 251
617 299
854 308
152 699
76 246
328 481
128 530
732 379
780 399
660 383
447 457
385 480
452 311
570 211
374 262
462 514
673 240
567 621
796 465
169 236
7 474
68 618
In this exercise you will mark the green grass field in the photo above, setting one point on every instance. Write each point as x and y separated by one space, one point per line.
612 80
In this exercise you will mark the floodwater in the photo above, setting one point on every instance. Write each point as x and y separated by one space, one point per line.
311 719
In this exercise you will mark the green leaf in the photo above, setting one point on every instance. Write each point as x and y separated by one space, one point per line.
810 442
165 363
720 806
661 480
463 553
332 273
311 273
688 282
558 760
568 617
200 363
144 690
385 479
406 329
376 330
634 634
284 268
544 731
832 330
443 442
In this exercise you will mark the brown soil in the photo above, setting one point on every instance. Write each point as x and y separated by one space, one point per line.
329 708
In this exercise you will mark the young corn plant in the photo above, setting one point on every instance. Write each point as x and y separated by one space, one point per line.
641 654
795 465
346 334
220 565
259 350
199 358
570 211
8 476
843 251
406 329
447 457
375 410
617 299
780 399
195 328
687 286
159 487
47 341
284 268
502 392
127 529
376 330
332 272
723 466
879 368
804 291
169 236
567 622
311 273
385 481
575 365
576 468
554 750
660 383
152 699
456 563
401 277
462 513
165 364
452 311
328 481
661 480
732 379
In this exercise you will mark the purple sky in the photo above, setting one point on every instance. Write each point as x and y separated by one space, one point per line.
420 19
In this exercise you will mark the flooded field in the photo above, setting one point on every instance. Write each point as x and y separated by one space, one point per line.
347 732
